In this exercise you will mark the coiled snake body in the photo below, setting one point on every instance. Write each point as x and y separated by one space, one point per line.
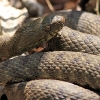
71 40
76 67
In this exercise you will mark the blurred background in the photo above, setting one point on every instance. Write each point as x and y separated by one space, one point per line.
41 7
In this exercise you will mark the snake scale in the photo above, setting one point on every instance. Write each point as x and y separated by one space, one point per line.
76 67
79 68
41 90
71 40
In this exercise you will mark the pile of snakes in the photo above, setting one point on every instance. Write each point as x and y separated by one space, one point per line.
67 69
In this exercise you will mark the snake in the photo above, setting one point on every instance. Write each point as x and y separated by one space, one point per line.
79 68
46 71
68 39
41 90
30 35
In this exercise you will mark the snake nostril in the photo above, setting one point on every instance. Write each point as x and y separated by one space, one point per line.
47 28
59 22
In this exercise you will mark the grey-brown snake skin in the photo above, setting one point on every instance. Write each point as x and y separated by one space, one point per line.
48 90
75 67
79 68
71 40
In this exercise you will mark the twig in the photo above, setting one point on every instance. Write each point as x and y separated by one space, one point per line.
0 28
50 5
97 7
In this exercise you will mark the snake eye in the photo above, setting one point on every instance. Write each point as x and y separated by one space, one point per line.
47 28
59 22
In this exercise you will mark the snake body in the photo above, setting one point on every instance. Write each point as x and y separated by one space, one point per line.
81 21
80 68
71 40
10 18
76 67
48 90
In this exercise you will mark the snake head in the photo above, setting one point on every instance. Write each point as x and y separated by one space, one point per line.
51 25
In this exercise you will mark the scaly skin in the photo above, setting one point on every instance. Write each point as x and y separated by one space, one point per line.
79 68
81 21
30 35
10 18
71 40
74 67
48 90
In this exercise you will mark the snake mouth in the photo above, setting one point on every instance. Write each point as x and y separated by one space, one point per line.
52 34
